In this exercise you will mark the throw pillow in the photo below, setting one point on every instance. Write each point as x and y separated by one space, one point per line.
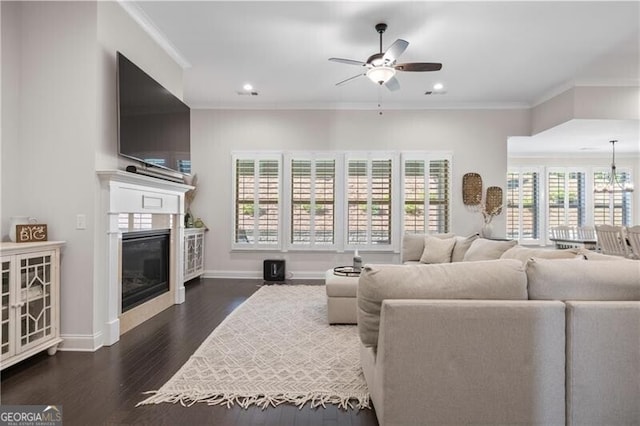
484 249
461 247
413 245
437 250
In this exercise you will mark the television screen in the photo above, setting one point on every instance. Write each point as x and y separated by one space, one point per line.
153 124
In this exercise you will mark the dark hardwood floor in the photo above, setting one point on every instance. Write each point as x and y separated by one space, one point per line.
103 387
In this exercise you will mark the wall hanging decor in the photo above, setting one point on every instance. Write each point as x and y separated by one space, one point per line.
471 189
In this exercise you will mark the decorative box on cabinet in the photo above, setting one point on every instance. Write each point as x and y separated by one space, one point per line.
193 253
30 300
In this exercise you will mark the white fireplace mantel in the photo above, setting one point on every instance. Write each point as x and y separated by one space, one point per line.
125 192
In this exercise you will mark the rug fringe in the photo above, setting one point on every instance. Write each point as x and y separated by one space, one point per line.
263 401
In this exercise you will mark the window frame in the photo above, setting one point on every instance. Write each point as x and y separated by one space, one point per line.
369 157
583 197
610 209
341 197
427 157
540 203
256 157
287 201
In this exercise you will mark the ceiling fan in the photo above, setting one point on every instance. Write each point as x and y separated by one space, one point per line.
381 67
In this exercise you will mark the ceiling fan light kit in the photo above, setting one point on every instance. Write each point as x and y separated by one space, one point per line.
381 67
381 74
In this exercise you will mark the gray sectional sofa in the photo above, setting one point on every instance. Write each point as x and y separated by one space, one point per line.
518 339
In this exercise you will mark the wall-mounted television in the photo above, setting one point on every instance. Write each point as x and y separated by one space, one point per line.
153 125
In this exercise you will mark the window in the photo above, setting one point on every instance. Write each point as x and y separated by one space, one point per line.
523 214
257 212
426 190
338 201
611 208
369 208
313 202
566 198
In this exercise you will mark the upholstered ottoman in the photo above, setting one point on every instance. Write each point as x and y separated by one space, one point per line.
341 298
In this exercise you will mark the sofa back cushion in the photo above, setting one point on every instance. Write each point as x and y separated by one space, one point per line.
523 254
413 246
576 279
495 279
484 249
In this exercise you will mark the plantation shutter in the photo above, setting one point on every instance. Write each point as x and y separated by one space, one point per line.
312 201
257 187
567 204
439 196
611 208
414 197
523 222
269 188
369 202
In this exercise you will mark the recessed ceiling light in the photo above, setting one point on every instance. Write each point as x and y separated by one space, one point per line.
247 87
438 86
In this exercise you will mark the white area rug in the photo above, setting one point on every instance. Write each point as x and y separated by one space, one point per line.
277 347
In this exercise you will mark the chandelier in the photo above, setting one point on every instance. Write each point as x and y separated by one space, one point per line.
614 185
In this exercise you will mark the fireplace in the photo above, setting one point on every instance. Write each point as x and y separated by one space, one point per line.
145 266
130 194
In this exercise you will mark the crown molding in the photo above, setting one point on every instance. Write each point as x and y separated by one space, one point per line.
158 36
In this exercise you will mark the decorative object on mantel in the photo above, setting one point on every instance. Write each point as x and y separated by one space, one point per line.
32 232
471 189
19 220
614 185
492 207
189 196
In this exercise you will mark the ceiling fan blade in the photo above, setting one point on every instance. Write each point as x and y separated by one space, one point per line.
340 83
395 50
347 61
419 66
392 84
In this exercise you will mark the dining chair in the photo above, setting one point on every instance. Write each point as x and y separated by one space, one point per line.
633 236
611 240
586 232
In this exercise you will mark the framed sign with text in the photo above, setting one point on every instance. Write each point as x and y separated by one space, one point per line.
30 233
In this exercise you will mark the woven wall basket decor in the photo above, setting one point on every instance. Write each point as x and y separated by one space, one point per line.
471 189
493 203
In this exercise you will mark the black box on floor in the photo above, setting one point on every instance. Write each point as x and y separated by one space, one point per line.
273 270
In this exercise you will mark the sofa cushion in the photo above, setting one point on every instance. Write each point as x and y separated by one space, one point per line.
461 247
523 254
437 250
569 279
496 279
413 245
484 249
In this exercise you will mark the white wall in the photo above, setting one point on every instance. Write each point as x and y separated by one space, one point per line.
48 150
59 111
477 139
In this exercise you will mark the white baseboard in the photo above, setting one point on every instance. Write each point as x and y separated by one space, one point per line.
81 342
257 275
